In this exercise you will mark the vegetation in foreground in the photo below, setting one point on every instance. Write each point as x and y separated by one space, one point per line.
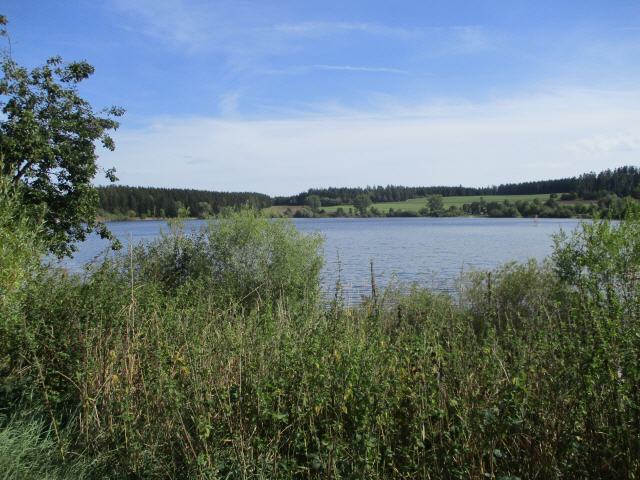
211 355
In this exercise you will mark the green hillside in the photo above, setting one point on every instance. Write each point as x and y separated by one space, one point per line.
415 204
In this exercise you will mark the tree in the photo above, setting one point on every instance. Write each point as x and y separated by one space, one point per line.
313 202
362 201
47 146
435 205
204 210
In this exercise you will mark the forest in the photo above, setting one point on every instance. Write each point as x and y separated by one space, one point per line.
151 202
606 187
623 181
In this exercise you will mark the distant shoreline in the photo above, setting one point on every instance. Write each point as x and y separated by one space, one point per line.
331 217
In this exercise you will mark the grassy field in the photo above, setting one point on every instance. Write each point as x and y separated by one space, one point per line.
416 204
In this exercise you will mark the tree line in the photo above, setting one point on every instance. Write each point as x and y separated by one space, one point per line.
623 181
127 201
173 202
610 206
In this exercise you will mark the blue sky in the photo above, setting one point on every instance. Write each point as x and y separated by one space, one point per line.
282 96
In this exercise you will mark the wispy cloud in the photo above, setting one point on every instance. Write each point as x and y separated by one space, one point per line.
229 103
327 28
239 32
606 143
447 39
352 68
174 21
303 69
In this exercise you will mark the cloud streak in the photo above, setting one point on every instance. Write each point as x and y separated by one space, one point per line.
232 29
303 69
352 68
172 21
329 28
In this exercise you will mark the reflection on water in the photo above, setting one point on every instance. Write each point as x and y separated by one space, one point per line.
430 251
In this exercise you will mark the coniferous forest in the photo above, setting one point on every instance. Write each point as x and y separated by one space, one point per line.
607 187
623 181
172 202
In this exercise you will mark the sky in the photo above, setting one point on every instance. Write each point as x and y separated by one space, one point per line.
281 96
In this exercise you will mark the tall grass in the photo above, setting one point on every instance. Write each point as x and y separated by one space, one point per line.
29 451
208 355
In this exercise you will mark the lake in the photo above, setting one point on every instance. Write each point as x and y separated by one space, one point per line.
430 251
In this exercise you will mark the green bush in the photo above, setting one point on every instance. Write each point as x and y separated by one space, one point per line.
20 250
513 294
600 263
243 257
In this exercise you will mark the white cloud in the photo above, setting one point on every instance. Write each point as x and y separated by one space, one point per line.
441 40
232 28
606 143
443 142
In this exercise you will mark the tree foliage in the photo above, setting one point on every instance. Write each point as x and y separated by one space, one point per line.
623 181
362 202
435 204
166 202
48 136
313 202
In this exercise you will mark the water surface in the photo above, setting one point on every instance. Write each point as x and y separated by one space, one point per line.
430 251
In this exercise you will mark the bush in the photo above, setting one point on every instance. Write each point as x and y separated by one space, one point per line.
242 258
511 295
20 249
600 263
568 197
304 212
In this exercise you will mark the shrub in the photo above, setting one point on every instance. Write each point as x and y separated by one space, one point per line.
304 212
512 294
20 249
600 263
243 258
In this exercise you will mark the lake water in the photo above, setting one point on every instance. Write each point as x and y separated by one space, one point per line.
430 251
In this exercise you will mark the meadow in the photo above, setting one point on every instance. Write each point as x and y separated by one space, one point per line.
415 204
